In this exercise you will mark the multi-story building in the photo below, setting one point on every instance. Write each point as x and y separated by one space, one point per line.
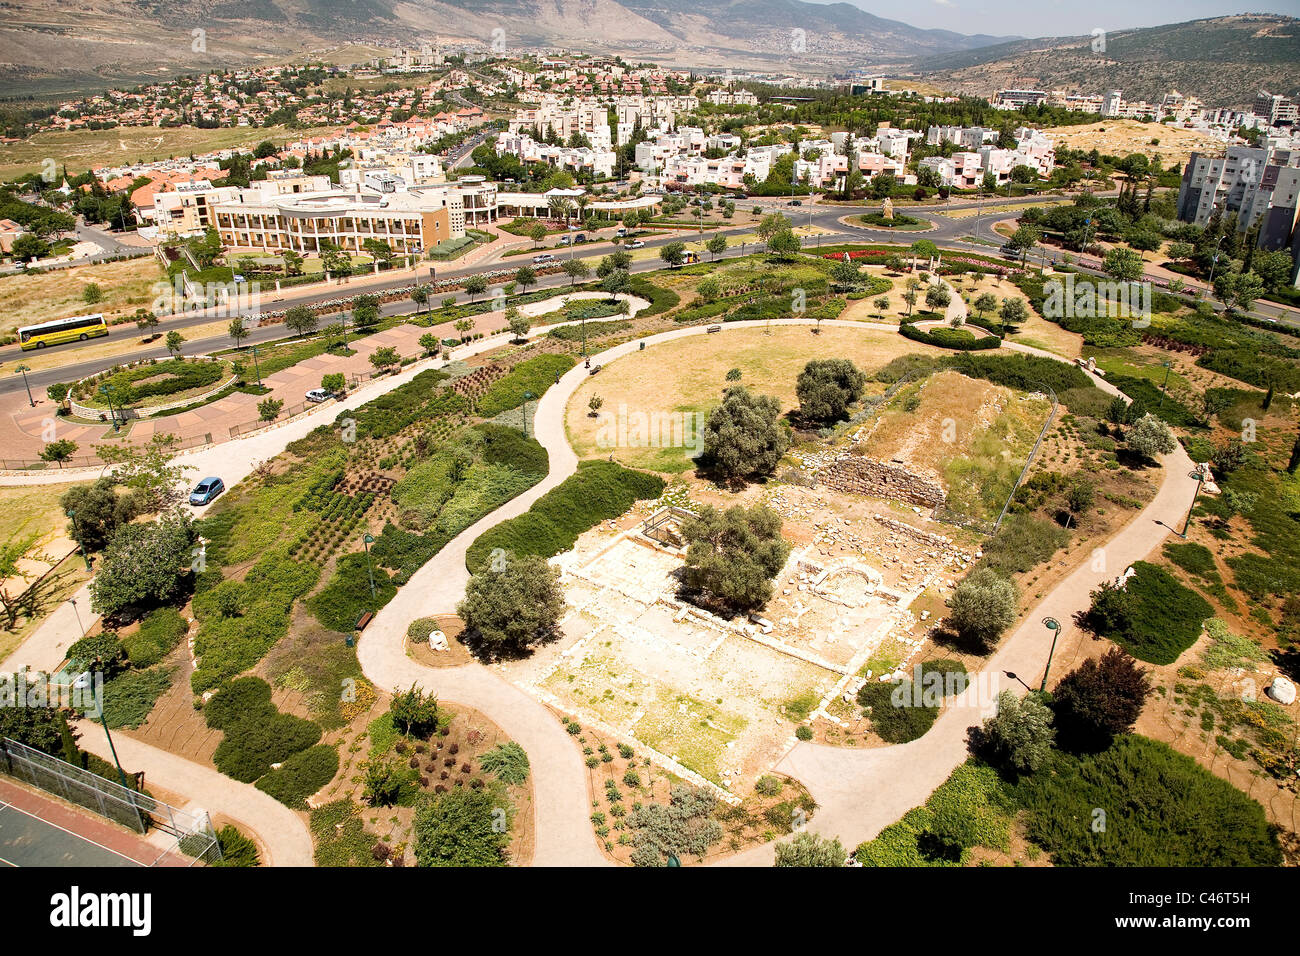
1275 109
186 210
732 98
1260 186
1219 184
967 137
267 219
1015 99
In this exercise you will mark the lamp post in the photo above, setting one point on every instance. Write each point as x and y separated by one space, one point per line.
83 681
367 539
1168 366
107 393
23 370
1214 262
258 367
76 611
1199 478
1053 625
527 396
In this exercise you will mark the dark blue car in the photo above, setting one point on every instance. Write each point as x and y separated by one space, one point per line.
206 490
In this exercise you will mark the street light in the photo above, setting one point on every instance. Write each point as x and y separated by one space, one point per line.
105 391
82 682
527 396
1199 479
1053 625
368 539
24 370
1168 366
76 611
258 367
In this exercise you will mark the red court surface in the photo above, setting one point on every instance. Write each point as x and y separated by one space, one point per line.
36 830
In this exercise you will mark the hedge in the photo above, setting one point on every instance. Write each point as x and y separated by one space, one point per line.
660 299
256 733
946 338
1163 809
130 696
1026 373
597 491
229 645
301 775
347 595
534 375
897 724
159 633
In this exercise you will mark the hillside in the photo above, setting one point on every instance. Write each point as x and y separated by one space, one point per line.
1224 60
49 48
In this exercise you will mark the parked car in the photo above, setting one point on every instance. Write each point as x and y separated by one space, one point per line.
544 257
621 231
580 237
565 240
319 395
714 328
796 202
206 490
636 244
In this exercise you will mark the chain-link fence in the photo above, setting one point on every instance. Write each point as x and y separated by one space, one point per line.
130 808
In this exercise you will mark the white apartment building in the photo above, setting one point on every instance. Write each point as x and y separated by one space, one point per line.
731 97
187 209
579 160
967 137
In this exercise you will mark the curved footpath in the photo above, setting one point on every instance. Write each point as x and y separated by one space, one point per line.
284 837
859 792
898 778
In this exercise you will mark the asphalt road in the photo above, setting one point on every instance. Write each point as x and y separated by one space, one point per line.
947 233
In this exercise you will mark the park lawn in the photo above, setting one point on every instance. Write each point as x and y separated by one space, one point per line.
127 285
994 210
1035 330
1130 362
689 374
34 509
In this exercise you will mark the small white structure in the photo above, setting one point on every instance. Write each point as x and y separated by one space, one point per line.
1281 690
438 641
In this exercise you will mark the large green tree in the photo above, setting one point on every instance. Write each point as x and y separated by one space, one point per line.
511 606
1100 699
982 606
744 435
733 555
144 565
827 387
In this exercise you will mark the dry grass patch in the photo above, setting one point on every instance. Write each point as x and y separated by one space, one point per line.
689 375
127 285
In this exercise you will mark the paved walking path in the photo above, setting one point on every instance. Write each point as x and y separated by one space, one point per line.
283 835
859 791
837 777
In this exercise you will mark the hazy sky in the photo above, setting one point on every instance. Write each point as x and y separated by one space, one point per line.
1036 18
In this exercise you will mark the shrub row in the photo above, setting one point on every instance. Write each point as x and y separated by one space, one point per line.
597 491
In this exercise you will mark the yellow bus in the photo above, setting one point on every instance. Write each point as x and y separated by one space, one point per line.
77 328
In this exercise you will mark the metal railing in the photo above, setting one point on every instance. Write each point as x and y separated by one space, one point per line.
131 808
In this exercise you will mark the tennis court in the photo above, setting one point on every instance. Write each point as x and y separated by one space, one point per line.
38 831
27 840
